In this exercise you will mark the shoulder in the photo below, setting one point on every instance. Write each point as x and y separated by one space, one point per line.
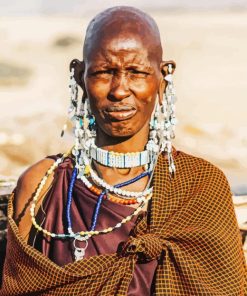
202 171
24 191
30 178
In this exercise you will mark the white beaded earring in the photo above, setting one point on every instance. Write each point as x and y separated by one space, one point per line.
73 91
163 121
74 113
84 122
168 106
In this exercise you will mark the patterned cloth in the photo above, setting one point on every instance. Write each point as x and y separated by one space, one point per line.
191 229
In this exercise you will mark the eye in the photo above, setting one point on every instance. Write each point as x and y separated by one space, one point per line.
104 72
138 73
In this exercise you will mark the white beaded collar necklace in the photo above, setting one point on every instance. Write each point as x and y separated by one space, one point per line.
120 160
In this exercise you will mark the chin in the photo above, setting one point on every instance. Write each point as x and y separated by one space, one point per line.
121 133
120 130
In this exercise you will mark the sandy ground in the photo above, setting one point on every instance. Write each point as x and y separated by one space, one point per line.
208 47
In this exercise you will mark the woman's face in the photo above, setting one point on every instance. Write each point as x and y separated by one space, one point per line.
121 80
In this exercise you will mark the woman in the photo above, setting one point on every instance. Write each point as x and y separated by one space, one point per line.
123 213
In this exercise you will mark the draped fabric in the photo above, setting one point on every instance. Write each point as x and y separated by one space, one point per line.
52 216
191 229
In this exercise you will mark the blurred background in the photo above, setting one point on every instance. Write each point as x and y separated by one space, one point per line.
207 39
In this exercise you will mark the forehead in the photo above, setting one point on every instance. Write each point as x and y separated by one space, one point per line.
121 47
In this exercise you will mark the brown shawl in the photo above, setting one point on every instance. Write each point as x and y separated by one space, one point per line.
191 229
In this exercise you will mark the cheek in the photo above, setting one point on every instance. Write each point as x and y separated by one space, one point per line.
95 88
146 98
146 91
97 93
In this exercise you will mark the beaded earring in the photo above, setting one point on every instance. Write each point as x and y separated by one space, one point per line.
85 132
79 113
73 91
162 124
170 121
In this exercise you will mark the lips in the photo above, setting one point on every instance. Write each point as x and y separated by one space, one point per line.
120 113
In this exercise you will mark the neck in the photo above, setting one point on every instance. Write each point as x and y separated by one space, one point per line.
133 143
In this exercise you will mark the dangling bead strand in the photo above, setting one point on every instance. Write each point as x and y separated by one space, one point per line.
37 195
85 234
96 211
122 199
113 189
69 199
100 198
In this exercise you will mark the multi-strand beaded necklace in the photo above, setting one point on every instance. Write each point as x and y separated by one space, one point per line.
107 191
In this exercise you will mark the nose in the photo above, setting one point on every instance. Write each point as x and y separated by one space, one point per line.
119 88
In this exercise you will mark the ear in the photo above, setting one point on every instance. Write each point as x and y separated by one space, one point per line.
164 72
79 71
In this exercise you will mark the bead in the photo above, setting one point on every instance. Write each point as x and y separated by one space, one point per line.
59 160
49 171
39 189
115 188
139 199
117 191
137 210
120 160
87 170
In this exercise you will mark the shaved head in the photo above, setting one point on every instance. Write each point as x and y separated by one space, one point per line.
126 22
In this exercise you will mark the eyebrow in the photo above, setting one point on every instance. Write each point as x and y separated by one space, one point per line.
103 66
138 66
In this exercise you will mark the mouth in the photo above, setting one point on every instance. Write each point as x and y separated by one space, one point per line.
120 113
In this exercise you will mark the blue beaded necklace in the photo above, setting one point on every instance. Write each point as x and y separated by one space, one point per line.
100 198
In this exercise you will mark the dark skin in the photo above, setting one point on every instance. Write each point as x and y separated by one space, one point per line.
122 74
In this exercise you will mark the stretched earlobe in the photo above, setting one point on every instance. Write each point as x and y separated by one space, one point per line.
165 65
79 68
166 68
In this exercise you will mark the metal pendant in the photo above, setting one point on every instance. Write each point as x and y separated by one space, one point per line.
79 253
